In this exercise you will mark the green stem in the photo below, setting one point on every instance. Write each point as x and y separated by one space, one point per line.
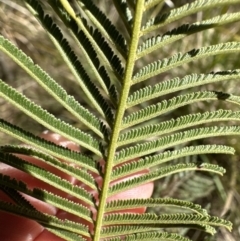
119 116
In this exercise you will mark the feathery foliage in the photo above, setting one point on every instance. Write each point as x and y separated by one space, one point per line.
129 135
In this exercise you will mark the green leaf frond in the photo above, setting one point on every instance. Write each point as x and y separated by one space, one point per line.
79 174
177 84
179 59
14 194
163 172
48 120
66 235
165 106
11 185
157 236
183 11
55 200
100 20
53 88
111 231
156 43
47 177
185 121
146 236
151 3
45 219
74 22
62 203
166 156
174 139
89 88
124 146
110 55
125 13
119 115
166 220
154 202
49 147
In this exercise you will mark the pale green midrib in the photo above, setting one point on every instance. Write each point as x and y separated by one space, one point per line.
119 116
207 5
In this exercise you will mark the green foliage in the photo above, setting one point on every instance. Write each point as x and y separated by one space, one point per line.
125 119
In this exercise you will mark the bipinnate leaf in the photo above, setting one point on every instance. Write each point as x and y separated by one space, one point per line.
11 185
158 42
103 23
165 106
47 177
14 194
152 3
173 85
174 139
45 219
124 146
184 121
146 236
125 13
155 202
49 120
79 174
74 23
89 88
167 156
179 59
49 147
66 235
165 220
183 11
163 172
52 87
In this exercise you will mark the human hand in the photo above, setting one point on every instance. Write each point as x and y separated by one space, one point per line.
14 228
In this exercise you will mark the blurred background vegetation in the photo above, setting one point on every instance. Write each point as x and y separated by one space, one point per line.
220 195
